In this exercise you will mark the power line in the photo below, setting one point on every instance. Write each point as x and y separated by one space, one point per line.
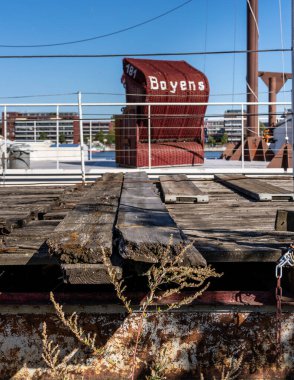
102 35
37 96
128 94
45 56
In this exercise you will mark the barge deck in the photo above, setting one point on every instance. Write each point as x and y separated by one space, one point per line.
233 233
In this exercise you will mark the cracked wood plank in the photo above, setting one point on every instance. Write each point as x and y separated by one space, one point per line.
88 228
144 226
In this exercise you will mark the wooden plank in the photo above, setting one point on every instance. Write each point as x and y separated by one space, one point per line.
14 220
254 188
10 190
284 220
26 246
179 189
88 228
144 226
25 242
26 258
88 274
56 215
233 228
215 250
18 209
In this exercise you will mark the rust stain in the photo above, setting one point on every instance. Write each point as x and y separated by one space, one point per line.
186 344
74 236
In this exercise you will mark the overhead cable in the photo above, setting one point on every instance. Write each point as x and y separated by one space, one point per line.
37 96
101 35
220 52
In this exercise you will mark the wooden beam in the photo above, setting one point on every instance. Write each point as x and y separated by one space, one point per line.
88 274
179 189
88 228
284 220
254 188
26 257
144 226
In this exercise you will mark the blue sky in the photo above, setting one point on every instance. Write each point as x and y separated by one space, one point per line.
200 25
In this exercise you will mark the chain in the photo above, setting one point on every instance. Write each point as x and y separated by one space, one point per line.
286 260
279 293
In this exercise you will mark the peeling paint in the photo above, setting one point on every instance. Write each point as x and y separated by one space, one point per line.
186 344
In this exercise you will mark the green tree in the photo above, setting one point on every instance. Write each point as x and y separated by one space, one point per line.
110 137
99 136
43 136
262 128
62 138
224 139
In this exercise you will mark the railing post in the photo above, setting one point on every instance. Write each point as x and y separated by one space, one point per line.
35 131
242 135
57 137
90 142
149 136
81 138
4 160
292 98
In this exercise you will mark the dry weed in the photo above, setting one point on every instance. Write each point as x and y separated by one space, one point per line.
51 356
168 272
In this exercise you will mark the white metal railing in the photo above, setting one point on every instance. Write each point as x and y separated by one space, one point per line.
80 106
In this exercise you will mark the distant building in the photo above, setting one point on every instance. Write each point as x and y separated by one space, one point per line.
233 125
214 127
42 126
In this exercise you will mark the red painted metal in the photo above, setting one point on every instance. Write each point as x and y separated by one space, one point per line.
176 131
233 298
274 81
252 67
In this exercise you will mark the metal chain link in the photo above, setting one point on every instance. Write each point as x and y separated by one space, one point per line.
285 260
279 294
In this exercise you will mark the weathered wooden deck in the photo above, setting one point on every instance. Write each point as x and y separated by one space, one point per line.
232 232
231 228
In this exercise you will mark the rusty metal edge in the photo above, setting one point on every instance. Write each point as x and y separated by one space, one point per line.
210 298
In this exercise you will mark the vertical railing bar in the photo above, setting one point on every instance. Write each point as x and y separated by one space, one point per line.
81 138
4 161
90 145
35 131
57 137
242 136
292 97
149 136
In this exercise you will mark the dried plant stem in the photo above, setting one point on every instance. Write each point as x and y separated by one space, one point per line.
118 284
139 333
169 271
51 356
71 323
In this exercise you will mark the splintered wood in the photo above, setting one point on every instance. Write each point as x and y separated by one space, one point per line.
88 228
144 226
23 241
20 205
